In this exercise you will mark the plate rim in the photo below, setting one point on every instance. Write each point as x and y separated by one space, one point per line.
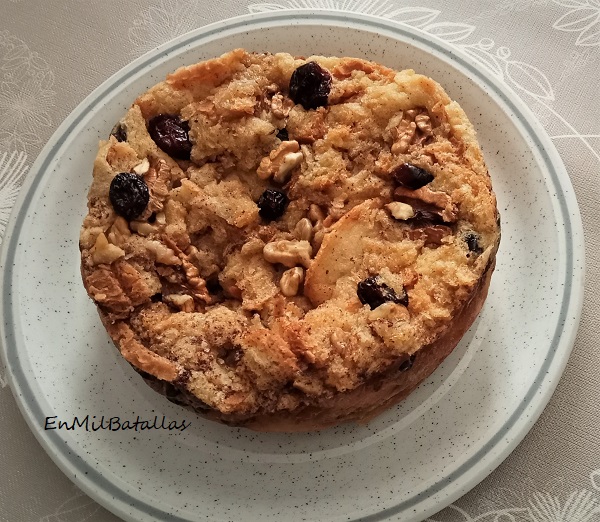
483 462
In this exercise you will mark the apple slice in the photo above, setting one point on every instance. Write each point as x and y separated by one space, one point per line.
342 250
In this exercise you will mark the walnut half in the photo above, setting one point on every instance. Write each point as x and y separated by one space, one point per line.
280 162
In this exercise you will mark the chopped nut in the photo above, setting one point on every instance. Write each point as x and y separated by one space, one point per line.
280 106
318 239
410 114
423 123
142 167
303 229
280 162
162 253
390 312
290 161
409 129
288 253
119 232
143 228
401 211
291 280
406 133
192 274
184 302
104 252
157 178
439 200
315 213
161 218
336 342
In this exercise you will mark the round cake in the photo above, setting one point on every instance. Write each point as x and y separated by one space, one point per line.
288 243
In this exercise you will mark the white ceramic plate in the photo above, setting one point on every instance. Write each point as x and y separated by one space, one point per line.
408 463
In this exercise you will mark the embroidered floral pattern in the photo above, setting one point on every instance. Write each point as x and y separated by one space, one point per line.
26 93
12 172
551 504
582 18
78 507
163 22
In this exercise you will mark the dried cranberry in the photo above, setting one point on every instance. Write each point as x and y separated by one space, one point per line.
283 135
412 177
374 292
408 364
310 85
472 241
425 218
119 132
129 195
171 134
272 204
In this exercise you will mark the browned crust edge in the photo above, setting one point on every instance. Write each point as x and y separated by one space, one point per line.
365 402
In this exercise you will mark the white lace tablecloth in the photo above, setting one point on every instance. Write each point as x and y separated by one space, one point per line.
55 52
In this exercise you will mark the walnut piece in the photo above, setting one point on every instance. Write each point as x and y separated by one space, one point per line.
119 232
389 312
192 274
401 211
143 228
406 133
157 178
303 230
142 168
315 213
412 128
162 253
438 199
280 106
288 253
291 280
280 162
184 302
423 123
105 253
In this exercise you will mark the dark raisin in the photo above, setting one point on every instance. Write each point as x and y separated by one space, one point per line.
374 292
129 195
472 241
156 298
425 214
283 135
272 204
410 176
310 85
425 218
213 285
407 365
119 132
171 134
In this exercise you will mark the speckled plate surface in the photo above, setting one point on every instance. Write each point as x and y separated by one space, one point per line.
409 462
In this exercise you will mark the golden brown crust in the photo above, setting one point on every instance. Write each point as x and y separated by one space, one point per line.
260 323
